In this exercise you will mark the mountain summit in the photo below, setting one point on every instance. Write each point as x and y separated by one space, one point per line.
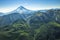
21 10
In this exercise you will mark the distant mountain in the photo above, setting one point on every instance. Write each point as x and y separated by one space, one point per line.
21 10
1 14
19 13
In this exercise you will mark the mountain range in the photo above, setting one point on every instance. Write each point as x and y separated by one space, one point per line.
24 24
25 14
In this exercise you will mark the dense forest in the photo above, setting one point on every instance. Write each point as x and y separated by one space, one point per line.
40 26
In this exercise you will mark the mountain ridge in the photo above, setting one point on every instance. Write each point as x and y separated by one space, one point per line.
34 25
25 14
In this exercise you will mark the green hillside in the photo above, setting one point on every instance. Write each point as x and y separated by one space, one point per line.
40 26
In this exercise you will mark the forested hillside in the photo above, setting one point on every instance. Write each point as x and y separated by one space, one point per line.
37 26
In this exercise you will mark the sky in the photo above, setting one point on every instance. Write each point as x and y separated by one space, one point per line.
10 5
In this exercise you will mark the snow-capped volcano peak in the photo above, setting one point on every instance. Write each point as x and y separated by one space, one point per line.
21 10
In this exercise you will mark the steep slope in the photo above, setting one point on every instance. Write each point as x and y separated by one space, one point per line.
19 13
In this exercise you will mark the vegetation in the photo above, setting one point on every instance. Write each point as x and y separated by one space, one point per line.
41 26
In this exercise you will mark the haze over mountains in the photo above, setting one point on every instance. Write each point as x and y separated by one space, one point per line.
23 13
24 24
10 17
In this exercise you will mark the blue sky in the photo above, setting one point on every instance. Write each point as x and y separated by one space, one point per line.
9 5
